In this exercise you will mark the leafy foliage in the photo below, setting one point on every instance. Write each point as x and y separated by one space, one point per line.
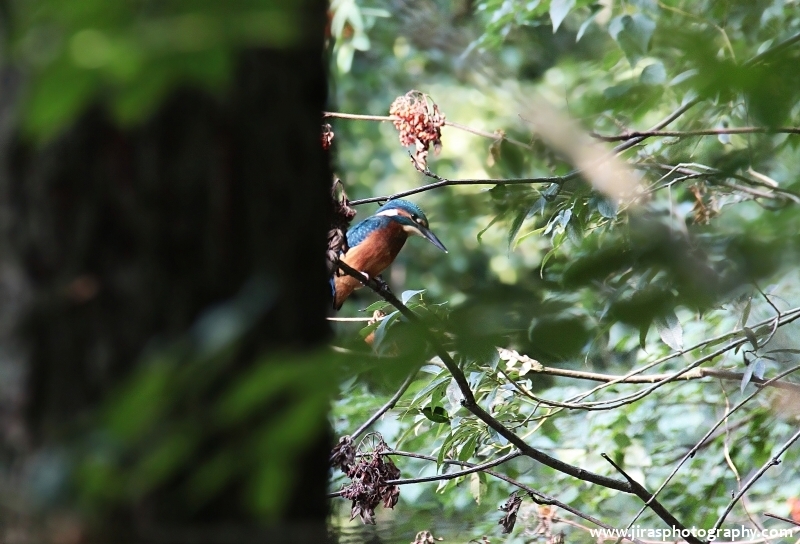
130 53
555 282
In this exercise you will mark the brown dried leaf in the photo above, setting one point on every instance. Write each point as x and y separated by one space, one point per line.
511 507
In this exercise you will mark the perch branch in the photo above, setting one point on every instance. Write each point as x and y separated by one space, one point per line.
472 406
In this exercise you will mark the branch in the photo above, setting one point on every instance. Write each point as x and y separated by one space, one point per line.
689 454
472 406
386 407
497 135
707 342
787 318
688 133
443 182
658 126
537 496
787 520
695 374
642 492
452 475
386 294
766 466
775 49
708 171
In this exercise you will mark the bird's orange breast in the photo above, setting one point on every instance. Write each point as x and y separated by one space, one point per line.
372 256
377 251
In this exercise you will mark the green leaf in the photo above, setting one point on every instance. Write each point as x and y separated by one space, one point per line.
751 337
516 225
379 305
596 8
607 207
670 330
643 329
746 377
746 312
632 33
653 74
494 220
468 448
380 332
477 485
407 295
559 9
437 414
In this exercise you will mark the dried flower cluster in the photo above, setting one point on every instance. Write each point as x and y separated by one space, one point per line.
511 507
327 136
342 216
343 455
369 473
419 122
705 208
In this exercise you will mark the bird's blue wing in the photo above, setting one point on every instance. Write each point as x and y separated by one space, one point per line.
360 231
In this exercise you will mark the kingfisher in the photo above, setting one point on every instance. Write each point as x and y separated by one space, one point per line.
374 243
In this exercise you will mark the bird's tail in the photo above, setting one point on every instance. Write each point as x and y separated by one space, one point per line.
343 286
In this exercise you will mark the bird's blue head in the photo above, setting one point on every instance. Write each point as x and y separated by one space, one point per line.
412 218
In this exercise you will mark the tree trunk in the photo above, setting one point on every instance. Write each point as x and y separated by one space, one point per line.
114 242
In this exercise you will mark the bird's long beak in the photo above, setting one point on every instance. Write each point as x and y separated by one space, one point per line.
431 237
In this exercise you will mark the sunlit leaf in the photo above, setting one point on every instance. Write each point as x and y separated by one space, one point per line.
633 34
670 330
559 10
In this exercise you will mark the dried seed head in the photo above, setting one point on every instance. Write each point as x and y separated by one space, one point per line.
368 487
419 122
342 216
511 507
327 136
343 455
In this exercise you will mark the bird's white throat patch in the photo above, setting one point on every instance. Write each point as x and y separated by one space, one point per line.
412 230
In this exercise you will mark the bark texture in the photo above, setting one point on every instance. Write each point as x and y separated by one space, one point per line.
114 241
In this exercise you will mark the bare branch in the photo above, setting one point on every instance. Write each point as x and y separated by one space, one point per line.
443 182
703 441
471 405
386 407
766 466
497 135
695 374
650 499
537 496
688 133
787 520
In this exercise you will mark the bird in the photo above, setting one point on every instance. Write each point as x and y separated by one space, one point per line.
373 244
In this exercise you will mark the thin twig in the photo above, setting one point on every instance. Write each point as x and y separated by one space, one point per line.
787 520
443 182
688 133
703 441
497 135
775 460
386 407
695 374
537 496
472 406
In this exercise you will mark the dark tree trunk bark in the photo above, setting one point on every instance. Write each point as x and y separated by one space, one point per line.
115 242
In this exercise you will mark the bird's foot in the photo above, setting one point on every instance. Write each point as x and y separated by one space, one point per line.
382 285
